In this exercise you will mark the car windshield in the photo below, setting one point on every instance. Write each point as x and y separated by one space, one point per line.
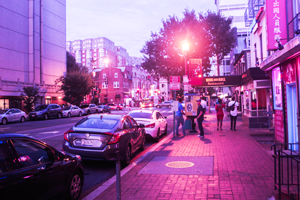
43 107
140 115
97 123
67 108
84 106
3 111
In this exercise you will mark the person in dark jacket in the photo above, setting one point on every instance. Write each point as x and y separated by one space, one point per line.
200 117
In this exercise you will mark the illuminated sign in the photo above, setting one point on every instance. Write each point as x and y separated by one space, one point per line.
215 81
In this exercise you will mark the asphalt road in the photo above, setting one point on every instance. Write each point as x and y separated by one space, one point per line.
51 132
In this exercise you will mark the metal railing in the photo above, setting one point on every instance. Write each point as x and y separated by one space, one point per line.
287 170
293 27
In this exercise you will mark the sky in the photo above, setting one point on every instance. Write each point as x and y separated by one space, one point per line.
128 23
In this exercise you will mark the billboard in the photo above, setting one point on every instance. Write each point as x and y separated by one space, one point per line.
276 23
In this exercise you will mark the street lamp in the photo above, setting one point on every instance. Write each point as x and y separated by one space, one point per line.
185 49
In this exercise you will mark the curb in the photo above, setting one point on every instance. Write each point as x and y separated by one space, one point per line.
112 180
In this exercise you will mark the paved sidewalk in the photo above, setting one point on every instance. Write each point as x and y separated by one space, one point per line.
223 165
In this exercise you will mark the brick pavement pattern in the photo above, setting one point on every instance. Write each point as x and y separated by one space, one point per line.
242 168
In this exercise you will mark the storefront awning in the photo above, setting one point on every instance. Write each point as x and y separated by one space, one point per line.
253 73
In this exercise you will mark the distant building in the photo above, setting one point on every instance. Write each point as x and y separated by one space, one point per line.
32 49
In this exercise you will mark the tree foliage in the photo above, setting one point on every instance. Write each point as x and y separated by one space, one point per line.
163 54
75 86
77 82
29 97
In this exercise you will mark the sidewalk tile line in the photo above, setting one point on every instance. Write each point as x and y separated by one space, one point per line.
112 180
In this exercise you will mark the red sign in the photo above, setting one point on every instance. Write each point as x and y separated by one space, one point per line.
276 23
289 72
279 127
174 82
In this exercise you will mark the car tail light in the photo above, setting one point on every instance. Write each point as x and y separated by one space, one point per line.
66 134
150 125
115 138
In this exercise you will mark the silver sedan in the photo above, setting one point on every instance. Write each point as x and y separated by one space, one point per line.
12 115
70 111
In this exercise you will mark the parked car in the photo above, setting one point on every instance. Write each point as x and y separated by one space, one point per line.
89 109
70 111
155 123
104 109
166 104
12 115
115 106
46 111
31 169
99 136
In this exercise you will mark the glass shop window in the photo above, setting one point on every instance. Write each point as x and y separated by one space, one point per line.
261 99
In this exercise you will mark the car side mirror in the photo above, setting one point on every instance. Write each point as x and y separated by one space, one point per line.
142 125
165 117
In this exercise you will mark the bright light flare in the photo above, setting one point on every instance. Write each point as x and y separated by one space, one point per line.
185 46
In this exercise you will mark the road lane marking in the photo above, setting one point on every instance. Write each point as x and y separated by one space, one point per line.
49 132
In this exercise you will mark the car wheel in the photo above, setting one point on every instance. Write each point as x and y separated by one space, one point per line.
127 156
74 187
59 115
69 115
166 130
80 114
88 112
4 121
117 108
96 111
109 112
22 120
157 136
46 117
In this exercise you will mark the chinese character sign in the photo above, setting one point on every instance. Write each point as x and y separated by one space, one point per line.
276 23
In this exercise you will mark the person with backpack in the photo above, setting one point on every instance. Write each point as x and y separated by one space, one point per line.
233 112
220 114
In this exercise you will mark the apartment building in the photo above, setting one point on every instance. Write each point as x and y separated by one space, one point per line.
32 49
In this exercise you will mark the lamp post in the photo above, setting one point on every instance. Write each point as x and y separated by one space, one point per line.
185 49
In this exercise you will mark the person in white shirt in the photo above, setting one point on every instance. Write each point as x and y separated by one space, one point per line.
203 103
233 113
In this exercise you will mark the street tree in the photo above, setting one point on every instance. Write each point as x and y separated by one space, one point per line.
223 37
163 54
29 97
75 85
71 63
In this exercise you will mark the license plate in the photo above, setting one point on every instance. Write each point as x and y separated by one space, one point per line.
87 142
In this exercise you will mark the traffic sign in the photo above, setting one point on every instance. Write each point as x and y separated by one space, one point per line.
174 82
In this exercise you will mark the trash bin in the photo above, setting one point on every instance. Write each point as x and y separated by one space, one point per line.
188 124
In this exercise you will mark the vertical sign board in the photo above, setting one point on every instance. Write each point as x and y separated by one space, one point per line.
174 82
276 23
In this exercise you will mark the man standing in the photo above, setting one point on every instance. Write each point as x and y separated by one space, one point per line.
233 112
200 117
203 104
179 117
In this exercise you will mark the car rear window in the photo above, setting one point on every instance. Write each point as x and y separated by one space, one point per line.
140 115
67 108
97 123
43 107
84 106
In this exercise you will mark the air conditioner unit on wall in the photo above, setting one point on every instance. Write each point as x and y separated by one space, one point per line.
248 42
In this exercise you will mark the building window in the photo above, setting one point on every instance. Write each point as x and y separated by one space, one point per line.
116 74
104 75
104 86
116 84
277 94
125 75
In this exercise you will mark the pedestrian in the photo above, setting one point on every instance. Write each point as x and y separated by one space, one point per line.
179 117
220 114
203 103
200 117
233 113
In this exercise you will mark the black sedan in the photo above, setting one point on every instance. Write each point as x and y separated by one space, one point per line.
31 169
99 136
104 109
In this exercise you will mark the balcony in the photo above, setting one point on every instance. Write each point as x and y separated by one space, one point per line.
293 27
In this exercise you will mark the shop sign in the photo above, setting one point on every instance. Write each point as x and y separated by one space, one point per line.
276 22
174 82
215 81
279 127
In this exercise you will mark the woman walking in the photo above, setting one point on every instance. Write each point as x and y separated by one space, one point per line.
220 114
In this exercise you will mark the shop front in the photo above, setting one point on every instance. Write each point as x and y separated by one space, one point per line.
255 99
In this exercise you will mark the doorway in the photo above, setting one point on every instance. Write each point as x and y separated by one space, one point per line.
292 115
